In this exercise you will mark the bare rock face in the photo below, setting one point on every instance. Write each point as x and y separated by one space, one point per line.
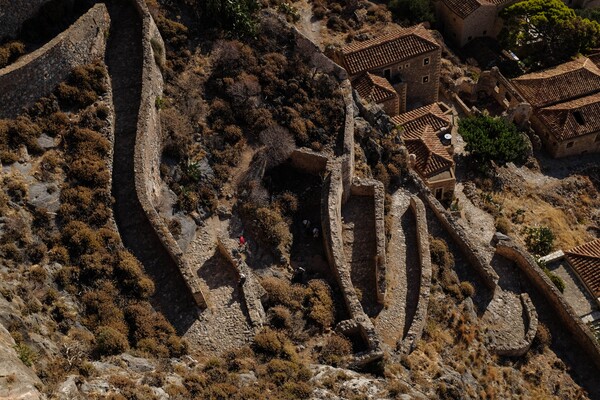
17 381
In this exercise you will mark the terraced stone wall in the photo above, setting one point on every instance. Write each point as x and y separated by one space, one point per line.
149 144
37 74
579 331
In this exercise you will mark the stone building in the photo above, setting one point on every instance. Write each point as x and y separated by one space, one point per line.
585 261
406 60
427 155
464 20
566 106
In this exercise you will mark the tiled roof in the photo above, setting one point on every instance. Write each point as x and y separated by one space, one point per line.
413 122
585 259
432 157
387 49
567 81
572 118
374 88
595 59
462 8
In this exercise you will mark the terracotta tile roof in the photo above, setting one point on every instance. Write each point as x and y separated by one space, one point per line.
432 157
374 88
462 8
387 49
413 122
567 81
572 118
595 59
585 259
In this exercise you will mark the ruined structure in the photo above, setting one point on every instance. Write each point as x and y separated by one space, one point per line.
463 21
408 59
14 12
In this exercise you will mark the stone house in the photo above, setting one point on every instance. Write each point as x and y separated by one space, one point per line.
422 130
566 106
464 20
585 261
406 60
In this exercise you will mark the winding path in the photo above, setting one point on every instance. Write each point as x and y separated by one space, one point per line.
124 60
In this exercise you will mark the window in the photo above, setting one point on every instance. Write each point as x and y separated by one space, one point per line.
578 117
439 192
426 61
569 145
426 79
406 65
387 73
399 67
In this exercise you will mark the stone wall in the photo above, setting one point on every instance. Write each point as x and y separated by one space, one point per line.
148 145
375 189
474 255
252 291
308 161
578 330
418 323
23 382
37 74
518 348
495 85
14 12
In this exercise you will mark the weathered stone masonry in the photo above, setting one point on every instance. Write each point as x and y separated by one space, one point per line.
37 74
148 146
14 12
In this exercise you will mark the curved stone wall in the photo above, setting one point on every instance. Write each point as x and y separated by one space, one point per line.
518 348
37 74
418 323
148 145
14 12
571 321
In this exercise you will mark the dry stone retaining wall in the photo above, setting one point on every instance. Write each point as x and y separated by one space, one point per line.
37 74
578 329
418 323
518 348
149 145
474 255
309 161
14 12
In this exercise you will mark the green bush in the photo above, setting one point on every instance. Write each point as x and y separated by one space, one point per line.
539 240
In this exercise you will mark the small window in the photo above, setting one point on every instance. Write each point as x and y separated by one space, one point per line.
426 61
387 73
406 65
399 67
426 79
569 145
578 117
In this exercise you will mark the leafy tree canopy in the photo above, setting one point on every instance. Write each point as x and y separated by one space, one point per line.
492 139
235 16
413 10
547 31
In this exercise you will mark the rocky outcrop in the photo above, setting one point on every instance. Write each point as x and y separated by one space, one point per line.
37 74
17 381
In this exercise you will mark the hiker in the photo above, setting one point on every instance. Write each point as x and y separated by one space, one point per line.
242 279
315 233
242 241
306 224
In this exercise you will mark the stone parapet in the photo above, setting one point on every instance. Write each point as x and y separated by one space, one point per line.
309 161
37 74
418 323
520 347
577 328
148 146
474 254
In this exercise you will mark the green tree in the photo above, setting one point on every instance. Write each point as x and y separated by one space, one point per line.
235 16
413 10
547 31
539 240
492 139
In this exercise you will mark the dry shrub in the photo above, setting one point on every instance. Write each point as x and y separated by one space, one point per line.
110 341
274 344
10 51
281 292
279 145
467 289
280 317
320 305
335 350
440 254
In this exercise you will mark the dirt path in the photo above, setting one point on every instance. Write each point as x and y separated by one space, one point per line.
124 61
358 217
308 25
